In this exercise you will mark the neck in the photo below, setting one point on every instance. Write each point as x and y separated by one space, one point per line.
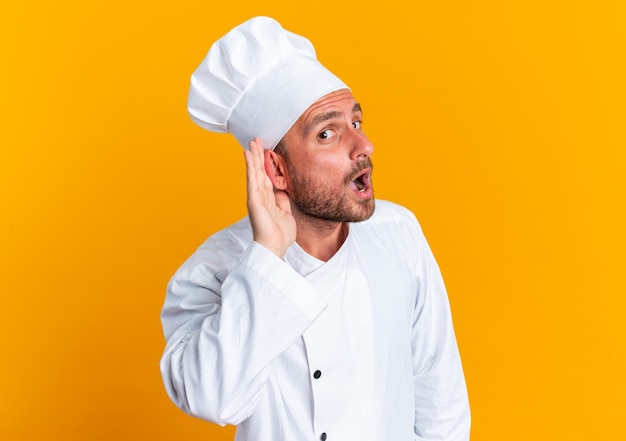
321 239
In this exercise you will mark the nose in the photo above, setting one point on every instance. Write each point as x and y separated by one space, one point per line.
361 145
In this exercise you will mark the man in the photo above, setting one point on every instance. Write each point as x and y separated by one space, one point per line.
319 316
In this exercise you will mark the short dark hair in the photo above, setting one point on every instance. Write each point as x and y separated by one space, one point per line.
281 149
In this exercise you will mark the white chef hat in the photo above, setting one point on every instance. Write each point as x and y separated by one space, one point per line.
256 81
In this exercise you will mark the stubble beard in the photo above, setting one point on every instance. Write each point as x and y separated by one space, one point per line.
320 201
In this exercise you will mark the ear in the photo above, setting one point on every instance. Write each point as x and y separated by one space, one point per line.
275 169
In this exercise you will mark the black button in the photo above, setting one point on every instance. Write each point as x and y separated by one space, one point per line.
323 435
317 374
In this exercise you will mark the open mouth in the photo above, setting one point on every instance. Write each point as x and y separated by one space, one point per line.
362 182
360 185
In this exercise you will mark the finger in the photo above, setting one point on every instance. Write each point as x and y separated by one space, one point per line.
257 149
256 145
254 162
258 152
250 169
260 156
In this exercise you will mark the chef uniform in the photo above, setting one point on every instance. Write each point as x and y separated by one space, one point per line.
360 347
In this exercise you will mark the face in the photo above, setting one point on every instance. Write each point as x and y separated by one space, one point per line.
327 160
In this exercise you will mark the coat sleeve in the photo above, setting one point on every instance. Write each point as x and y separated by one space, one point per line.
441 402
224 325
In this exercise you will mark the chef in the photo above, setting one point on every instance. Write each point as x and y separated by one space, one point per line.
322 315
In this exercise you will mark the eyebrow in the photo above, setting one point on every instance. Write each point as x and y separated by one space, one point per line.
328 116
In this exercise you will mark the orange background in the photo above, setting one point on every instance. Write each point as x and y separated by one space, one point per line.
500 124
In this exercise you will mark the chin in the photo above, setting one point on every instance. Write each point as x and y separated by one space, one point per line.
363 211
368 208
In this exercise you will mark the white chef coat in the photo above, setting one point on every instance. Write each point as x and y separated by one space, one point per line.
357 348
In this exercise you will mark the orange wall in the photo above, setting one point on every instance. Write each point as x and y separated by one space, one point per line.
500 124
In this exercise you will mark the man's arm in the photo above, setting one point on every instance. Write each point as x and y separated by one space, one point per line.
222 335
232 309
441 402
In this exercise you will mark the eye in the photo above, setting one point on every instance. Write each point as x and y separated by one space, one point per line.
356 124
326 134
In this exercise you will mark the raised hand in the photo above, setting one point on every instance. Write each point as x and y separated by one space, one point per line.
273 225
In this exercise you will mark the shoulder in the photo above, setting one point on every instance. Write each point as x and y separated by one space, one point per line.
393 231
389 213
391 222
223 248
